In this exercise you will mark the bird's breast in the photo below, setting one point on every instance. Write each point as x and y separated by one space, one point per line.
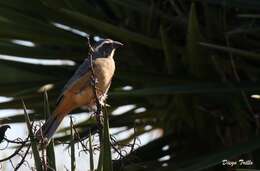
104 69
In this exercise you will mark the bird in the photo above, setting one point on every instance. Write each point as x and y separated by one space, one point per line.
78 91
2 132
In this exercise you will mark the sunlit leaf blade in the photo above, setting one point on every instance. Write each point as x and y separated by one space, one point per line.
40 52
36 155
91 155
100 165
51 160
107 157
72 147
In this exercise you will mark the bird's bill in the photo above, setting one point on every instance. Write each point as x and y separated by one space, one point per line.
117 44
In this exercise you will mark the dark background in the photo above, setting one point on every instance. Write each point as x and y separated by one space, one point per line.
193 66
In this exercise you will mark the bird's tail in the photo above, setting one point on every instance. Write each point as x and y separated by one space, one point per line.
52 124
49 127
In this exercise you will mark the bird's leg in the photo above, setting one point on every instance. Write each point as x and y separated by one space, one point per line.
98 112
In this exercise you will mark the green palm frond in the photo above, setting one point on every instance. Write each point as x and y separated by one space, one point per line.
182 59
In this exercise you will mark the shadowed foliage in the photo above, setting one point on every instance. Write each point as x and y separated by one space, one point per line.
193 66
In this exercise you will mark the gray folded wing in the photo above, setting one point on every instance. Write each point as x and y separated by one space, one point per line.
82 69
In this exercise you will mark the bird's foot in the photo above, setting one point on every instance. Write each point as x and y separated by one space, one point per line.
94 81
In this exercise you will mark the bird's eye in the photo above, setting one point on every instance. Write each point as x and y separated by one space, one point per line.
106 46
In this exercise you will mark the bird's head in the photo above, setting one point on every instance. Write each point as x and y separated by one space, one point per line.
105 48
5 127
2 132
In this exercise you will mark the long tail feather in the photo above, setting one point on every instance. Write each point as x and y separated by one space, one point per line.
49 127
52 124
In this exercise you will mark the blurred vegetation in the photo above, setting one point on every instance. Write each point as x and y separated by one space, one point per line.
193 66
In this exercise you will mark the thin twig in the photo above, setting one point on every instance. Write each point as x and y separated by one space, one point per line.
15 153
94 80
16 141
94 86
23 158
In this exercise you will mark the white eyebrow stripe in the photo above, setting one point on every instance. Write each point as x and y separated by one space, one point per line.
106 41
